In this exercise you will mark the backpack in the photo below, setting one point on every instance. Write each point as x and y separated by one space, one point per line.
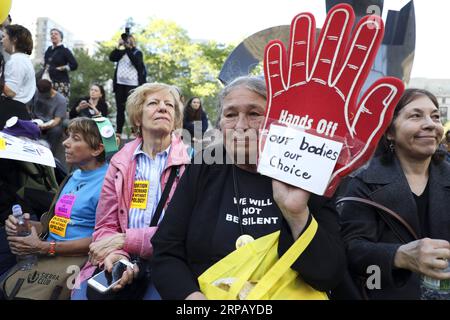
31 185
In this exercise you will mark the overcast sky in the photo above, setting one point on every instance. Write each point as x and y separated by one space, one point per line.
231 21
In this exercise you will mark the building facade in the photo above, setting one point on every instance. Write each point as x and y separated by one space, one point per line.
440 88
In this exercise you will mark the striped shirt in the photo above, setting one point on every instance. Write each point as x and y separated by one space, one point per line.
148 169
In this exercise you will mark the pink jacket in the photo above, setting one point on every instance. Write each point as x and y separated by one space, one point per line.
115 198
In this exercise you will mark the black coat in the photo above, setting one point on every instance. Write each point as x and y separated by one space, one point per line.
58 57
368 239
186 244
136 58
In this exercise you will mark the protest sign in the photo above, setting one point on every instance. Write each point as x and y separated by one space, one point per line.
24 150
316 88
299 158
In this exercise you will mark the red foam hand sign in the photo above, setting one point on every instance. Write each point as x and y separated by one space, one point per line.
316 87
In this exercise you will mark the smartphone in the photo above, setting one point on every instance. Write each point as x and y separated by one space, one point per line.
104 281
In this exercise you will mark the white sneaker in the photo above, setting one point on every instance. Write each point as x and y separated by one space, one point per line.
123 136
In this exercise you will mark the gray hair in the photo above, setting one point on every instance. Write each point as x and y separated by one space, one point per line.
59 31
252 83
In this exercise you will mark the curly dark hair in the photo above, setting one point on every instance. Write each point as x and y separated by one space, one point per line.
21 37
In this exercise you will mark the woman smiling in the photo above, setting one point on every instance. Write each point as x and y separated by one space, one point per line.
411 179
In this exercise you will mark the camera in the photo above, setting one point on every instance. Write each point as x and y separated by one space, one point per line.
125 35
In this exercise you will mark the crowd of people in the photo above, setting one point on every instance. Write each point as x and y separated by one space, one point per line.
174 220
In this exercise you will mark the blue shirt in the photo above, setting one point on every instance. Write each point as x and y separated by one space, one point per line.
148 169
85 186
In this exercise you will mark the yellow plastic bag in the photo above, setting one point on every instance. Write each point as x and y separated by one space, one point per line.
254 272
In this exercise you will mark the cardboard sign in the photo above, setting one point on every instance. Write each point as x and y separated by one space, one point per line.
299 158
316 87
25 150
140 194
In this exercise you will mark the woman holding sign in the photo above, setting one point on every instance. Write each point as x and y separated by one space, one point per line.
138 186
70 222
221 207
404 254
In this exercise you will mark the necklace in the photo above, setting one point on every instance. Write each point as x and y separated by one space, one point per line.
243 239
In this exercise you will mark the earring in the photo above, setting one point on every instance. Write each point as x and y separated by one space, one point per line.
391 146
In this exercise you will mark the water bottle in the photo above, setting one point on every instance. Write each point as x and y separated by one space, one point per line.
25 262
434 289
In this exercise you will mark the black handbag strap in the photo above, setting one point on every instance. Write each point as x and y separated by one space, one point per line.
390 212
173 173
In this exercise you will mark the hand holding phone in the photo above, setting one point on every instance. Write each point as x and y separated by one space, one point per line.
83 105
105 281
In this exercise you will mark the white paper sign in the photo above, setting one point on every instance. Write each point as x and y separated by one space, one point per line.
24 150
299 158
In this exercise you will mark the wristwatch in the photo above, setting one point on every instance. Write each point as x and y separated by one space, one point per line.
51 251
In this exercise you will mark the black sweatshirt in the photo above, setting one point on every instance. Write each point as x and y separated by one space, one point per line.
201 226
58 57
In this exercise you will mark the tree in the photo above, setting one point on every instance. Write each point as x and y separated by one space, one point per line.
205 69
170 57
